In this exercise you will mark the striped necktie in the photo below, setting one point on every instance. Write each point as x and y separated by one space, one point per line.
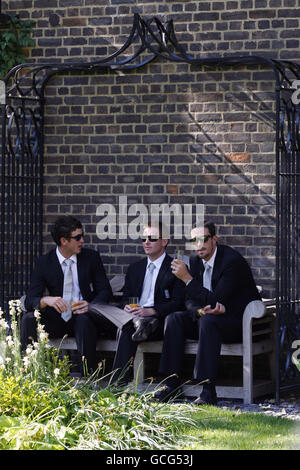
207 276
68 289
147 285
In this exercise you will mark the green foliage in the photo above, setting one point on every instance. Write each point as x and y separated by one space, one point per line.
14 38
42 407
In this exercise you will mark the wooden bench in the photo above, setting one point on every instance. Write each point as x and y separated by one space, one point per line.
258 338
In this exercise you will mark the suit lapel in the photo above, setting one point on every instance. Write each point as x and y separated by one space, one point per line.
141 276
57 269
163 269
198 269
217 266
80 272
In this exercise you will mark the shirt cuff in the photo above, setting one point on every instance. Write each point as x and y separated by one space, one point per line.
187 283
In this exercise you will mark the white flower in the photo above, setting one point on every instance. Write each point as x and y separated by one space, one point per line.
9 341
29 349
37 314
3 324
7 360
12 311
43 336
26 362
56 372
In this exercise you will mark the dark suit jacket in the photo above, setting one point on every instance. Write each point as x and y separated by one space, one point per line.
169 291
48 276
232 282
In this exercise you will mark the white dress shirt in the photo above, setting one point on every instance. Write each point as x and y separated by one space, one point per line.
211 261
76 289
157 263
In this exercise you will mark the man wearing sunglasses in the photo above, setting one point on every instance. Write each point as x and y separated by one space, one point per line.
73 277
159 292
219 285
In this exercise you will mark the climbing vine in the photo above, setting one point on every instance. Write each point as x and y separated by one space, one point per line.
15 37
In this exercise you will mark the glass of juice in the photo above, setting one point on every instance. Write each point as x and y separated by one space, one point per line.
133 302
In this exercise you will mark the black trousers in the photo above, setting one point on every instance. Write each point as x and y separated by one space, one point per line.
210 331
126 350
84 328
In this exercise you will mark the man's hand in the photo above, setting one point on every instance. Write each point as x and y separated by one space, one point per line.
58 303
180 270
140 311
218 310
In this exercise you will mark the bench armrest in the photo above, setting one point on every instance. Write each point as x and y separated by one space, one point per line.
254 309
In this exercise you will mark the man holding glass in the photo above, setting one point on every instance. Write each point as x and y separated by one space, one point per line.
74 277
151 293
218 287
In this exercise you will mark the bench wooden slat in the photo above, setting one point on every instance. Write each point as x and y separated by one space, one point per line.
69 344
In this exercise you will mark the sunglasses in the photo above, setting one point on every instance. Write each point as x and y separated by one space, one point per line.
203 239
78 237
151 238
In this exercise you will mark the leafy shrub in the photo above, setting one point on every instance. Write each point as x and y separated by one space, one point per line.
14 38
42 407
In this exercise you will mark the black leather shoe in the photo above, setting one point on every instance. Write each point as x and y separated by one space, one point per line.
144 326
207 397
167 393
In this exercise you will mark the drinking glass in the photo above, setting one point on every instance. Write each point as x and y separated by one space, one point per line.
75 302
179 255
133 302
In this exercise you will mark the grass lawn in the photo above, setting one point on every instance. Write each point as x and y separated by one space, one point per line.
43 408
223 429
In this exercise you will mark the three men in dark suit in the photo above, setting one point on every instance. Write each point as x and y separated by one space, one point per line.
159 291
73 277
218 287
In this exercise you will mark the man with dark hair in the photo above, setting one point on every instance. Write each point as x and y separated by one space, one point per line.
73 276
159 292
219 285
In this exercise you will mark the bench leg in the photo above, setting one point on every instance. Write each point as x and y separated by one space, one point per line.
248 382
138 367
247 365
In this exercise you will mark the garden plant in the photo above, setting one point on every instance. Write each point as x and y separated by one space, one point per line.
43 407
15 38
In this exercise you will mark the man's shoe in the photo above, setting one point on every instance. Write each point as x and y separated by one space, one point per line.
207 397
144 326
167 393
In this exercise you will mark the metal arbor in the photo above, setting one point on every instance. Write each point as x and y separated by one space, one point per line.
22 167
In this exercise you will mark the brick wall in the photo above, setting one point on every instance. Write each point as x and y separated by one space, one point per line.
166 133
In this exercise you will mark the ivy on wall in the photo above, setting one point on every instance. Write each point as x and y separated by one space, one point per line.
15 37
